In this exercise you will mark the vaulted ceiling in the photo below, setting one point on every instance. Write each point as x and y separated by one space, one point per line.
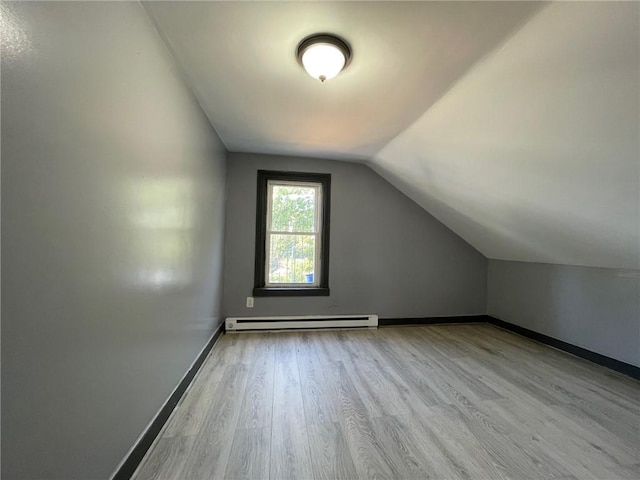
239 58
516 124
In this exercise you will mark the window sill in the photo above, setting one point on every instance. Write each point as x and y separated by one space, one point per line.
291 292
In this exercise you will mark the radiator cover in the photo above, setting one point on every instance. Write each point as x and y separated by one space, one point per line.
291 322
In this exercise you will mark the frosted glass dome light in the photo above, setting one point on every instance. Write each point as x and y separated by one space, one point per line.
323 56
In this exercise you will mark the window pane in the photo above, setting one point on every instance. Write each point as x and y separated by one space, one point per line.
293 208
291 258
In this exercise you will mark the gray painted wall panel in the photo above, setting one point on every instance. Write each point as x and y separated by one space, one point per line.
593 308
112 223
388 256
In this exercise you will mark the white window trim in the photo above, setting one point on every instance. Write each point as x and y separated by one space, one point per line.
317 265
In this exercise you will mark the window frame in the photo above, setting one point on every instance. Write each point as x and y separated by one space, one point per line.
260 288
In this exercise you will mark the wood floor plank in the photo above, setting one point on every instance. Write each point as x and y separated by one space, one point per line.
581 458
471 385
469 402
381 396
169 457
576 422
188 418
625 472
522 460
409 460
333 344
306 344
249 457
330 456
589 386
569 390
369 455
418 376
285 346
445 341
210 455
290 457
459 453
320 386
508 369
409 398
568 418
257 402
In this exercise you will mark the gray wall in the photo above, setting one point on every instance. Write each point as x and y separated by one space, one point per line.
112 222
388 256
594 308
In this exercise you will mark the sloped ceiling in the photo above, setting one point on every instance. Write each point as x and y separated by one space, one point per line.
239 58
534 155
516 124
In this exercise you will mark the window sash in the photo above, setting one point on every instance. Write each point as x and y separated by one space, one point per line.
316 233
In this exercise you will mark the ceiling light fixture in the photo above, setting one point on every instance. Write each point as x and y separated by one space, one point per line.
323 56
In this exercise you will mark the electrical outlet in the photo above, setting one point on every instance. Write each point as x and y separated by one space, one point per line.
249 302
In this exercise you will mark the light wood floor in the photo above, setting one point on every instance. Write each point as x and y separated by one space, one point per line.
444 402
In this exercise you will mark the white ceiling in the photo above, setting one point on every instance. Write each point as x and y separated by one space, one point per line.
239 58
534 155
516 124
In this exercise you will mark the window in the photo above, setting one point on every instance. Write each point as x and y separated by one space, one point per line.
292 234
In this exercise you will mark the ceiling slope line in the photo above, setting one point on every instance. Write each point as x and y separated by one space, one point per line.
397 183
533 156
622 272
467 72
240 58
182 73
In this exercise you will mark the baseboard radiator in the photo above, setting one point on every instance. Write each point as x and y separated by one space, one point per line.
300 322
